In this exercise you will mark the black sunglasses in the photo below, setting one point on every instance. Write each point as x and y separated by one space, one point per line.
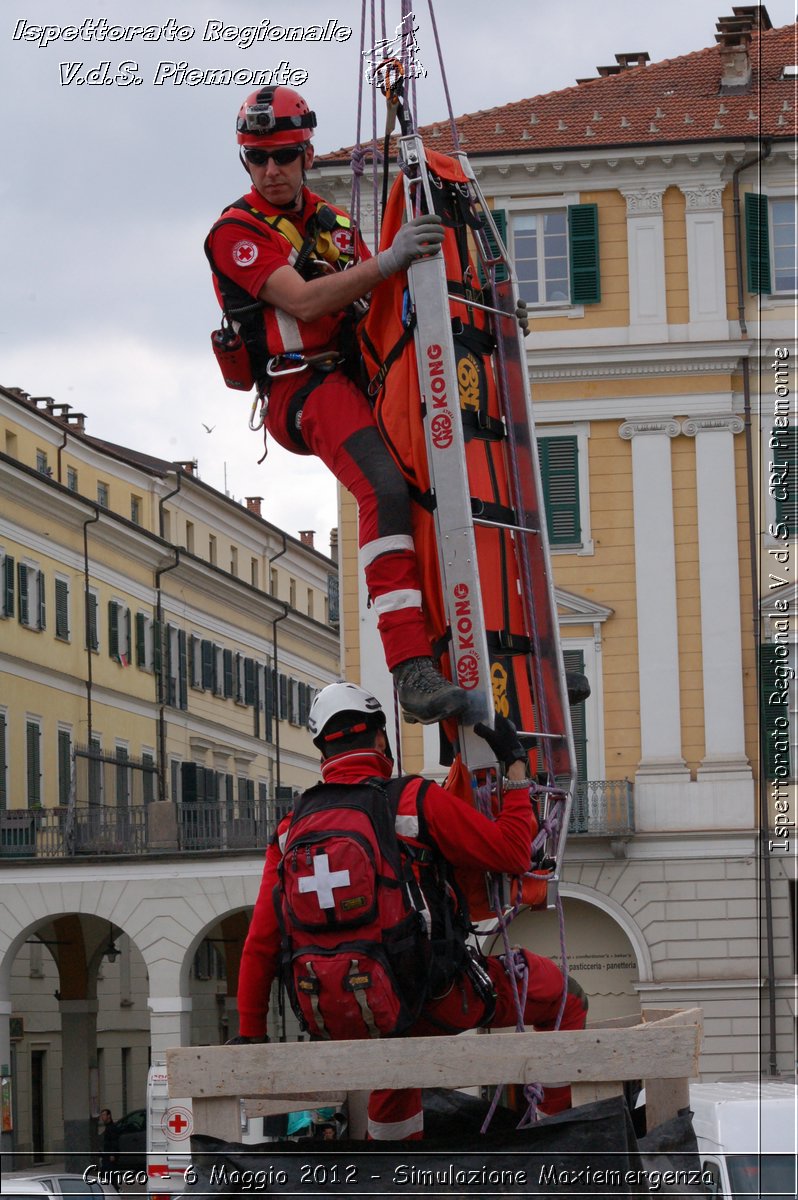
282 156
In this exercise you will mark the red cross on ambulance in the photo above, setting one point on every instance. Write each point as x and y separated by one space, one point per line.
323 881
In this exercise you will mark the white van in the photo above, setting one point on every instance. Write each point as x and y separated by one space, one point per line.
746 1133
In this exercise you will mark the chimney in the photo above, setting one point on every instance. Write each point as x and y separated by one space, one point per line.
77 420
253 504
188 465
334 544
634 58
306 537
734 39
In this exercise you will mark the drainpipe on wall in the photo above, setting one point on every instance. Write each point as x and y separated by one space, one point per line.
89 676
767 881
161 733
275 622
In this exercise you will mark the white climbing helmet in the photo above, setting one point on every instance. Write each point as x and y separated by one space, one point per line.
339 698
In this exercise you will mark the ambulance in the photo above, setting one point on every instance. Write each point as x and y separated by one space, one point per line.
746 1134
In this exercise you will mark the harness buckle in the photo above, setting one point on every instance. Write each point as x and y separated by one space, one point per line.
275 369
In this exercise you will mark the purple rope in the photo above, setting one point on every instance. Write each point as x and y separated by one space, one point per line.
453 126
358 154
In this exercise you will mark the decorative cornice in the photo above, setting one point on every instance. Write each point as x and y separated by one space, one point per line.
666 425
696 425
703 197
643 200
634 369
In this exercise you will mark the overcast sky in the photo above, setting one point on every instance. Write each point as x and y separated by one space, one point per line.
108 191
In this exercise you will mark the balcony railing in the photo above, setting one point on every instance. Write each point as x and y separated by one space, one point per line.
129 830
603 807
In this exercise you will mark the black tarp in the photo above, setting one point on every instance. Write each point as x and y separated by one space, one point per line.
591 1150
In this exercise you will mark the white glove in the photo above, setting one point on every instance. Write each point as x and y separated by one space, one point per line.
419 238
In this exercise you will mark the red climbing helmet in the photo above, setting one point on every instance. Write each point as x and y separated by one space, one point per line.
277 115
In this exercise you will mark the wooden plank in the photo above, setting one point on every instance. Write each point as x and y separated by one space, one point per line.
664 1098
286 1069
258 1106
221 1118
586 1093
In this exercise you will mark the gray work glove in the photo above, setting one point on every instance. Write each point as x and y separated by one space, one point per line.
419 238
503 740
522 315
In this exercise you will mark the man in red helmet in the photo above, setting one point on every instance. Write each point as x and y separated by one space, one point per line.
287 269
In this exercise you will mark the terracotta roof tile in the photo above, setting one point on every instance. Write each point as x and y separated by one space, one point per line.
672 101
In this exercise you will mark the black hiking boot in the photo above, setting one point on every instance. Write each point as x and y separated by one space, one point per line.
424 694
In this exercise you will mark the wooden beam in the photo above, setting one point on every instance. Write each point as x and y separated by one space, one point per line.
267 1107
657 1049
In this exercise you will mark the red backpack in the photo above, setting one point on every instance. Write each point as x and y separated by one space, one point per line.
355 944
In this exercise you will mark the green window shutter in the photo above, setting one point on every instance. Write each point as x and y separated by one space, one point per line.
757 241
206 653
189 782
122 772
583 251
92 632
42 613
575 661
182 670
8 586
95 772
3 763
227 670
249 681
559 468
33 763
64 765
193 661
141 640
775 737
113 629
784 479
216 672
500 220
24 599
284 689
169 668
62 610
268 702
157 647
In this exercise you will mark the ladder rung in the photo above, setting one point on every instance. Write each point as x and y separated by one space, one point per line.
501 525
554 737
474 304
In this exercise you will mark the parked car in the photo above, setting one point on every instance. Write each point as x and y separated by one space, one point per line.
55 1184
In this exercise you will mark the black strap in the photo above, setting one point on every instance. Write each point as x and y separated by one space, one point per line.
376 381
293 411
479 424
500 513
501 643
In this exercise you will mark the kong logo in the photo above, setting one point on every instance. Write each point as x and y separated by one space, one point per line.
468 381
498 683
437 377
441 430
463 628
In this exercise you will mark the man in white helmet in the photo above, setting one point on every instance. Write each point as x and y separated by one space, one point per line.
438 833
287 269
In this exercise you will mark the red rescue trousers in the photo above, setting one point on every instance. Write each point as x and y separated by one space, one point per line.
398 1114
335 422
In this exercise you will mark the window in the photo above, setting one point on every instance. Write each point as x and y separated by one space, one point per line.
41 462
72 479
574 660
31 610
310 602
119 632
122 774
253 572
135 509
190 536
212 550
64 754
62 614
292 592
273 581
33 762
771 244
234 560
95 770
102 495
555 248
148 776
